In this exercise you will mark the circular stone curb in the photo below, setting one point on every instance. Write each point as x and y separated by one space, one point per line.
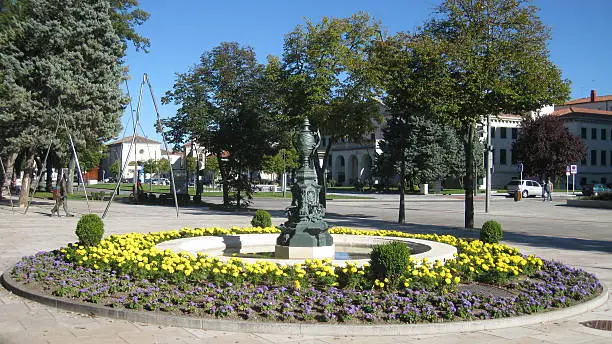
158 318
215 245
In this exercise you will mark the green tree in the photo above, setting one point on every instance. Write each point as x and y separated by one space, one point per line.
414 144
284 160
69 68
222 107
326 78
497 57
115 169
545 147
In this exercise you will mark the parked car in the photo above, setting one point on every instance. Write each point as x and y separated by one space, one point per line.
161 181
595 189
525 187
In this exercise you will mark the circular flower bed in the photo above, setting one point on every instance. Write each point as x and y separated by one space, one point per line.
483 281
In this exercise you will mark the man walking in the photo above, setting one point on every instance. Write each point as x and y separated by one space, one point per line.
60 194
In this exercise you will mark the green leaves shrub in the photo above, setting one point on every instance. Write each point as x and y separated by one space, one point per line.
90 229
261 219
491 232
389 260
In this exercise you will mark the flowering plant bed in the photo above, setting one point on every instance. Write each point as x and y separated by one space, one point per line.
127 271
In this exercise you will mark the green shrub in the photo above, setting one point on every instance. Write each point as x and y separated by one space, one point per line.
90 229
390 261
261 219
491 232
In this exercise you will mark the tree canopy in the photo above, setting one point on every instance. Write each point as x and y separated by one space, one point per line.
327 78
497 58
223 107
545 147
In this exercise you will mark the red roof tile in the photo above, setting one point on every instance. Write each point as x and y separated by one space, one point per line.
588 100
580 110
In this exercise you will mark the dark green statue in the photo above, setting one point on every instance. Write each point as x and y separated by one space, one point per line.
305 227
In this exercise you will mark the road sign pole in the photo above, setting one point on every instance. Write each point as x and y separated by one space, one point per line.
573 184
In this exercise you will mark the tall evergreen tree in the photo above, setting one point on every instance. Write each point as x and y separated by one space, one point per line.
61 63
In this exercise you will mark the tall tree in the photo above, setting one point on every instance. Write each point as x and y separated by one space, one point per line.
545 147
64 72
224 108
328 80
408 69
497 55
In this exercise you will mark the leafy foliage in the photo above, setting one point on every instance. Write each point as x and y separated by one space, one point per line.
90 229
491 232
545 147
327 78
222 108
67 69
390 261
261 219
498 61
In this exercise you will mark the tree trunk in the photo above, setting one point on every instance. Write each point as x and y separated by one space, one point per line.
9 168
321 175
224 179
69 185
26 181
469 176
402 187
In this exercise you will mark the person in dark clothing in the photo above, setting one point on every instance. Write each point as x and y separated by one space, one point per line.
60 195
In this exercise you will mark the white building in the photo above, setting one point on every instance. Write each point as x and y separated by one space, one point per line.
144 149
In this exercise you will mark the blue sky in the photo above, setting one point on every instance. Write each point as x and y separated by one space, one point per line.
181 30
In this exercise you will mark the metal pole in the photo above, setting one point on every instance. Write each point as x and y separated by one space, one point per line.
127 158
76 158
489 165
145 77
9 191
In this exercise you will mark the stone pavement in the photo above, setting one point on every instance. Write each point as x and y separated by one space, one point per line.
576 236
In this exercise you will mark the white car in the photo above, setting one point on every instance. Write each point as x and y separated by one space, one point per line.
527 188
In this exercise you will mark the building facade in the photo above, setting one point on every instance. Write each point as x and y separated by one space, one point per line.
144 149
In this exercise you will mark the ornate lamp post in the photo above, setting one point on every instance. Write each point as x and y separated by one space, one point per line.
305 234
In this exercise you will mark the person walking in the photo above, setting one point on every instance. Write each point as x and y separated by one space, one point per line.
549 187
60 195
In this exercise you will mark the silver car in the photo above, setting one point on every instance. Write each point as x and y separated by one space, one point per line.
525 187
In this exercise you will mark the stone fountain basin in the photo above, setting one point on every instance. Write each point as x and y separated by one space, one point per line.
216 245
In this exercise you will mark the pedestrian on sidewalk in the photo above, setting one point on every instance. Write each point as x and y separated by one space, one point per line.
60 194
549 186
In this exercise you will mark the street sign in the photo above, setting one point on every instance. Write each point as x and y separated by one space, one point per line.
574 169
567 169
567 173
520 166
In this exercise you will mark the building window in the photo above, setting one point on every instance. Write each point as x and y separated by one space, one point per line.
583 133
514 133
593 157
492 156
502 156
492 132
603 160
603 134
502 133
593 133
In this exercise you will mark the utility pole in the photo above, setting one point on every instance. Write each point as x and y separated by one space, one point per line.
489 165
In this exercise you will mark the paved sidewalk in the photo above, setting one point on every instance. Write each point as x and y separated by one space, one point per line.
554 232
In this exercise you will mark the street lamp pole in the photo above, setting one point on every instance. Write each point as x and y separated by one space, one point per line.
489 165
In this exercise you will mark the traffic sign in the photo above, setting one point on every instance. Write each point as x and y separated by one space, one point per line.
574 169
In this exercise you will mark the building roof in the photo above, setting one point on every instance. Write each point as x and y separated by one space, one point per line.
592 99
582 111
128 139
